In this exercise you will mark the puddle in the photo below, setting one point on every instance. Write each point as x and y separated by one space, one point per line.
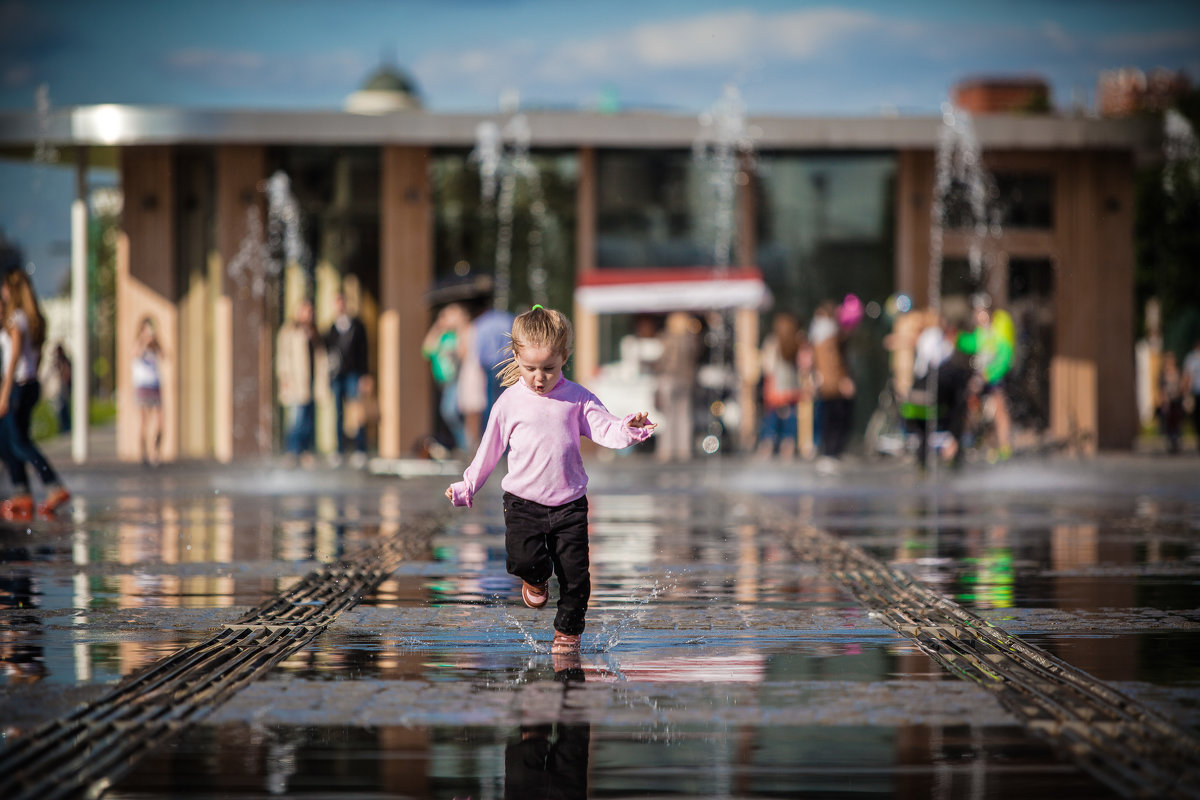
578 760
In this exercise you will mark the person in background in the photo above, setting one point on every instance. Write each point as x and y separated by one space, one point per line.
62 397
1170 403
295 351
938 398
490 342
147 387
991 344
1191 380
444 347
472 386
346 351
834 387
780 387
21 341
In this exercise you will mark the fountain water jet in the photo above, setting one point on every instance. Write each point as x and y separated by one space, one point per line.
502 156
963 192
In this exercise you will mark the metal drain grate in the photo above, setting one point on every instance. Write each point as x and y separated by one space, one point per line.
83 754
1122 743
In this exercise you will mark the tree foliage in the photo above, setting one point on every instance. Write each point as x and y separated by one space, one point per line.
1167 240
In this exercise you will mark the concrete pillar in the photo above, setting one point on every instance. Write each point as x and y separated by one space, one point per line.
406 272
745 359
242 335
745 327
146 287
81 383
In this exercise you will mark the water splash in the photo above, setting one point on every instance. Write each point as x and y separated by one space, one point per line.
43 151
1182 152
285 222
502 157
724 142
722 158
963 192
615 633
252 262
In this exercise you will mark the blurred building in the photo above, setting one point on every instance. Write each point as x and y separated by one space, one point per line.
1127 91
387 199
1002 95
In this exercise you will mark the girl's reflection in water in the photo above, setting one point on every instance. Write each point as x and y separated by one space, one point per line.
551 760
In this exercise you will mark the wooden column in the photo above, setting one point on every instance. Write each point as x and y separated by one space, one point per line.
1113 217
587 323
914 193
146 287
242 339
1073 372
406 273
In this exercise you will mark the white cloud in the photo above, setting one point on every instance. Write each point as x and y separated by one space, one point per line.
719 40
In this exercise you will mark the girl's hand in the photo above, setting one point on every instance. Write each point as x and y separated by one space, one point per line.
450 493
642 420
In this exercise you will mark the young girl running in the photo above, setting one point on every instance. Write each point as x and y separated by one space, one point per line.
539 419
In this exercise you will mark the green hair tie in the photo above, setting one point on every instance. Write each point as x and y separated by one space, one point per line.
537 306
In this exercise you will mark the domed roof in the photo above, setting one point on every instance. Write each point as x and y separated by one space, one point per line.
386 89
390 79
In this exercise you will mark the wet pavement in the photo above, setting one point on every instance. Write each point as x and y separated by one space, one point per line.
719 660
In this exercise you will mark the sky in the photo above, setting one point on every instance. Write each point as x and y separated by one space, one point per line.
832 58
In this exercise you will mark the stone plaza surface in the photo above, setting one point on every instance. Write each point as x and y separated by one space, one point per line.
719 661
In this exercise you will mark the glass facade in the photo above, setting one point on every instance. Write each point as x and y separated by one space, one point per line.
1020 200
1025 199
653 209
536 219
337 190
825 228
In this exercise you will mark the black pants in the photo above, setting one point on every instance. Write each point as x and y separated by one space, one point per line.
543 540
19 448
836 417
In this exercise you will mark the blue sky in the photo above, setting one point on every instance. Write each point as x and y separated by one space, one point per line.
787 57
842 58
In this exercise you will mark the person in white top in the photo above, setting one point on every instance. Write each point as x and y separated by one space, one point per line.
147 358
21 341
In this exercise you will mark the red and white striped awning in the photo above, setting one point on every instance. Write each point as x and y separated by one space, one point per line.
660 290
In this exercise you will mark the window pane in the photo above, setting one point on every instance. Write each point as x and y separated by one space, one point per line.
467 228
650 210
825 229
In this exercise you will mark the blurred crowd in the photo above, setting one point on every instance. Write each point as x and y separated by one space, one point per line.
948 393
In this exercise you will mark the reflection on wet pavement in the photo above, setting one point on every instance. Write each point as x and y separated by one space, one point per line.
715 663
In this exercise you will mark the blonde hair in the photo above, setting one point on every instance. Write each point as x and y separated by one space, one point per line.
537 327
23 297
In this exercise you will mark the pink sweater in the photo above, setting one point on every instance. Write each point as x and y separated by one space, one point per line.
541 433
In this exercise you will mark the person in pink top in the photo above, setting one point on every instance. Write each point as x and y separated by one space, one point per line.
538 419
